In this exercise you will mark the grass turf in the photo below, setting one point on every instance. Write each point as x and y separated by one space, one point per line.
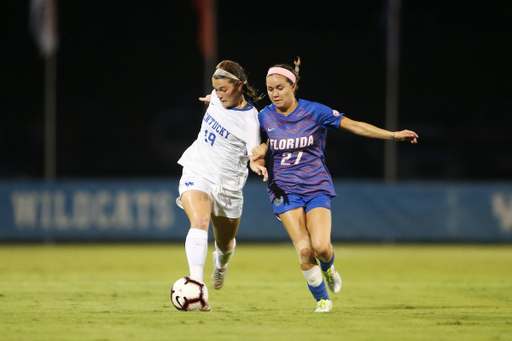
121 292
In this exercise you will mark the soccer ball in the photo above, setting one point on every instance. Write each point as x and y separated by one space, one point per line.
188 294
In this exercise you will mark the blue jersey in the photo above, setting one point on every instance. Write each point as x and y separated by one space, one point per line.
297 144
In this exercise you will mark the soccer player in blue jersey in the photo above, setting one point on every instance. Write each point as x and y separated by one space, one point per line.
300 186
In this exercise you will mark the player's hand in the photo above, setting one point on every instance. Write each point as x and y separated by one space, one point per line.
206 99
260 170
259 152
405 135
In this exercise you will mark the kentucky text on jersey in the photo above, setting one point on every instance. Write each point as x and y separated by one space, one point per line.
298 142
216 126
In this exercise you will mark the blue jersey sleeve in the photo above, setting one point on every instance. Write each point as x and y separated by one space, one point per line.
325 116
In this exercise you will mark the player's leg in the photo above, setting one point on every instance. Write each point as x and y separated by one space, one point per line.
227 209
319 226
197 205
294 222
225 230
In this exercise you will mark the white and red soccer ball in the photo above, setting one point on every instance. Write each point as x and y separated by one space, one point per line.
189 294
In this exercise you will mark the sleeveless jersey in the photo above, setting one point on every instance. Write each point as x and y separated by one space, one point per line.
222 148
297 144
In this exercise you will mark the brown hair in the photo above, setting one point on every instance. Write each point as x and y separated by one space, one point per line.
235 69
295 71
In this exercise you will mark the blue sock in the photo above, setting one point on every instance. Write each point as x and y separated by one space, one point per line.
319 292
327 266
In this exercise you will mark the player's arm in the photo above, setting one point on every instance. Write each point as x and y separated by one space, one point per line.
260 151
257 160
368 130
206 99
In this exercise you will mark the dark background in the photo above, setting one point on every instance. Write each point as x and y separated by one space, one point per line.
129 74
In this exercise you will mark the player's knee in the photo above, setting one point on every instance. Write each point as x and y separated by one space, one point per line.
200 222
307 257
322 249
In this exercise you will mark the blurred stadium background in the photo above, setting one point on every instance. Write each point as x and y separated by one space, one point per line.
127 81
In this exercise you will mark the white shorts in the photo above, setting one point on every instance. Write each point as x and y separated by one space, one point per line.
225 202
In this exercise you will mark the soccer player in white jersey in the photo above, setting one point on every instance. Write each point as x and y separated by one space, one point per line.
215 170
300 186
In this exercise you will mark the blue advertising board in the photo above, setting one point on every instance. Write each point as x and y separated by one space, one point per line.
146 211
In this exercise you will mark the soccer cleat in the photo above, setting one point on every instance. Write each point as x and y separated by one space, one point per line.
206 307
323 306
333 279
219 274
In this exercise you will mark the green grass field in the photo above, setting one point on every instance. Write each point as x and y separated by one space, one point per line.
121 292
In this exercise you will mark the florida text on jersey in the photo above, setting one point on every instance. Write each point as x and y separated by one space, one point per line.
297 144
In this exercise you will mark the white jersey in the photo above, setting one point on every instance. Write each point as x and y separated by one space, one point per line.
221 151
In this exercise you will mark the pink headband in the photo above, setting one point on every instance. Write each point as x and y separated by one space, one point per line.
283 72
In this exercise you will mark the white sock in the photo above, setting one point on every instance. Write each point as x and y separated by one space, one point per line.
313 276
196 248
223 258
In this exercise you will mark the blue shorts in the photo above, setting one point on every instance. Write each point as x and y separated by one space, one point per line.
290 201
